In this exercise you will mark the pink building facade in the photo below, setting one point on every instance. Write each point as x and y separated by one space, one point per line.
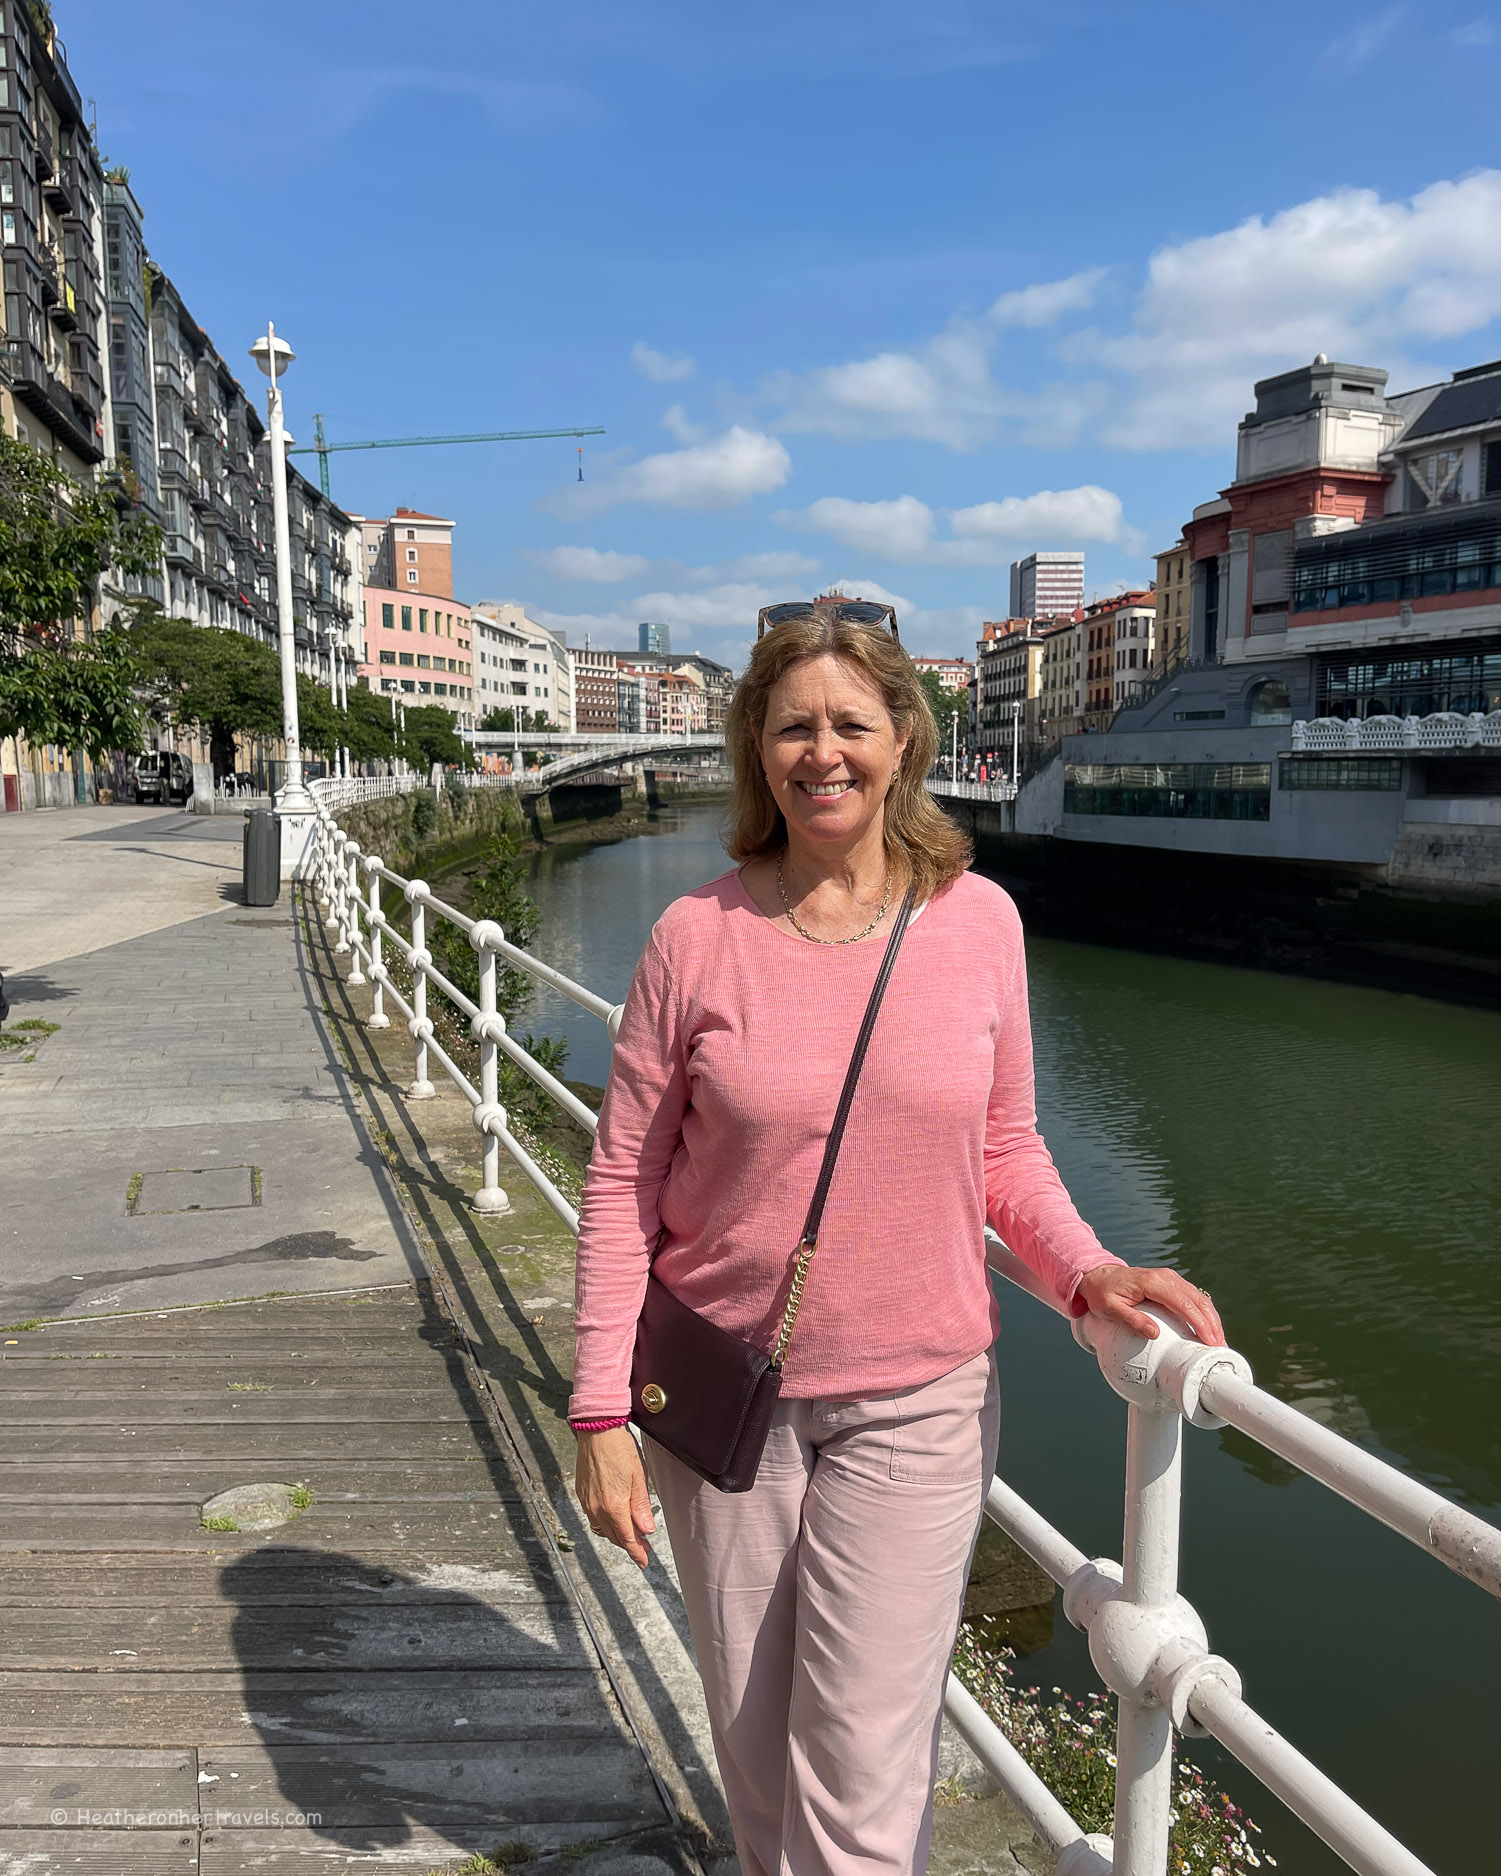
419 649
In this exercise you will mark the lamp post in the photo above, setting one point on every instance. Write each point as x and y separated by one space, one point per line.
1016 730
294 805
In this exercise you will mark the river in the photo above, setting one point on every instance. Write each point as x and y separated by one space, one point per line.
1325 1160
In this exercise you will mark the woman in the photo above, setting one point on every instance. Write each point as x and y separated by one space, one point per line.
824 1601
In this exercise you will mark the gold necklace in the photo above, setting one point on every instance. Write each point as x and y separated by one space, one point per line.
812 938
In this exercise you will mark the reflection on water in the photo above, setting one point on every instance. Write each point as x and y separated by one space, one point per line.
1323 1158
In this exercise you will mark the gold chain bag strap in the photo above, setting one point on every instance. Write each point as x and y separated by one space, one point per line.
702 1393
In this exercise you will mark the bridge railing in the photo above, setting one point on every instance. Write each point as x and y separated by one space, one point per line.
1147 1642
971 791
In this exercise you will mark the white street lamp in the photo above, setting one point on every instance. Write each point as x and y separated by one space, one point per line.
294 805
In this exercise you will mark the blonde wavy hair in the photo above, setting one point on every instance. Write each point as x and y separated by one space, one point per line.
920 838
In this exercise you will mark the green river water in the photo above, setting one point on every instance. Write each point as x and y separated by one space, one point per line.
1324 1159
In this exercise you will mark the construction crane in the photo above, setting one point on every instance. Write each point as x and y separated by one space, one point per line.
322 448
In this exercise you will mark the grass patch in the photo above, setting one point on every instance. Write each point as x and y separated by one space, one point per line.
302 1497
133 1190
36 1027
17 1328
250 1387
221 1524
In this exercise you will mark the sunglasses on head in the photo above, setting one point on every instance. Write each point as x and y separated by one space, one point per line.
842 611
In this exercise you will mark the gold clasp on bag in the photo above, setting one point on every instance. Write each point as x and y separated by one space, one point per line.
653 1398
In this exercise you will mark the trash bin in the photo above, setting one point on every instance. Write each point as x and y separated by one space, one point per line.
262 865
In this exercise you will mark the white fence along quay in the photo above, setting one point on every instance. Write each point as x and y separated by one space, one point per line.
1147 1642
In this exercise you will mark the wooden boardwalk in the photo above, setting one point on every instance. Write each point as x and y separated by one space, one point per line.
399 1677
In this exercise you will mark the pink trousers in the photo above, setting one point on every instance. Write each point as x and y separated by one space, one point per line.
823 1605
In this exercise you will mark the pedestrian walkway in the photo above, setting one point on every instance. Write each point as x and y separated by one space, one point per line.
399 1674
183 1135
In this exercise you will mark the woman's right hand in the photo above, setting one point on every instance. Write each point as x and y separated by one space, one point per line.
611 1484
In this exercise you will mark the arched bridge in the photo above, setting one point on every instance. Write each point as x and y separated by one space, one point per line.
576 754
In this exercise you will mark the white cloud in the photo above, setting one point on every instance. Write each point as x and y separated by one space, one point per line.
940 630
783 567
660 367
905 530
940 393
1363 41
589 563
1045 305
896 530
718 474
681 427
1347 273
1481 32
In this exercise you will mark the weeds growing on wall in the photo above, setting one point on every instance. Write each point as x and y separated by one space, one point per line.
1067 1742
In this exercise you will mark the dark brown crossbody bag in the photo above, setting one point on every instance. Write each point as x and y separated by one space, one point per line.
699 1391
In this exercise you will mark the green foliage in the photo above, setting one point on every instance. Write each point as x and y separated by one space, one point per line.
369 731
57 539
431 737
424 814
78 696
946 705
535 720
223 683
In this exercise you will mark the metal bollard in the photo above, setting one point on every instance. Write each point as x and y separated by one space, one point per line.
378 1016
352 902
490 1197
420 1028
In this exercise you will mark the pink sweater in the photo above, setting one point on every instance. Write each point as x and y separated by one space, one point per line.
732 1050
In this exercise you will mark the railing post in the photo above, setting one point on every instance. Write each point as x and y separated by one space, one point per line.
339 912
335 839
352 901
378 1017
1144 1743
420 1028
485 1027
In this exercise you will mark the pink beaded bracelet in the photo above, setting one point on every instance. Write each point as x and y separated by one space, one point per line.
598 1426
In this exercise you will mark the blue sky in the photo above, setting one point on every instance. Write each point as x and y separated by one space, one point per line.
882 294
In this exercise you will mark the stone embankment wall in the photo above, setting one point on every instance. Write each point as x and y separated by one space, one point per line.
432 830
1452 860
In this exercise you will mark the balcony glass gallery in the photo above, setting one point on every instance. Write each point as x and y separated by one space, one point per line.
1414 683
1190 791
1368 567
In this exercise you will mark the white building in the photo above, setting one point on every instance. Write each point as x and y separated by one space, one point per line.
520 664
1046 586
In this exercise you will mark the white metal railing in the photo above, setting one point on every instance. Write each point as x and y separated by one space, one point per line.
1147 1642
1444 729
972 791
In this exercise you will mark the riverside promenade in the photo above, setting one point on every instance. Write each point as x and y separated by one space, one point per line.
210 1282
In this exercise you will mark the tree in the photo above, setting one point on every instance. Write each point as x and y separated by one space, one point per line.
57 539
224 683
369 728
431 737
946 705
536 721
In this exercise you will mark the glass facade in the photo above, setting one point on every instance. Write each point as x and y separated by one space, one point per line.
1190 791
1411 683
1369 567
1340 772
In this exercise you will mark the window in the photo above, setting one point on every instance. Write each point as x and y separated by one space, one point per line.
411 534
424 663
1198 716
388 657
424 689
1433 480
406 618
411 576
388 618
1339 772
440 690
406 658
407 684
387 684
1271 702
422 618
1197 791
1415 683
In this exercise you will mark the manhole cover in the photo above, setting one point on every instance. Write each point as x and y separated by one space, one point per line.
201 1189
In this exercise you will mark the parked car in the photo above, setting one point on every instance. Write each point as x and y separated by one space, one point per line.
162 775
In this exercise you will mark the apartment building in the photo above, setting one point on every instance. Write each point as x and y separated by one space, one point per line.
521 664
1008 681
1174 607
52 390
596 691
132 395
1061 679
410 551
952 673
419 648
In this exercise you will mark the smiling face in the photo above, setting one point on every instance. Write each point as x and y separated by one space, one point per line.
829 748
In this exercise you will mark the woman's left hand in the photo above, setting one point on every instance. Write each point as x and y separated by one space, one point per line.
1114 1290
